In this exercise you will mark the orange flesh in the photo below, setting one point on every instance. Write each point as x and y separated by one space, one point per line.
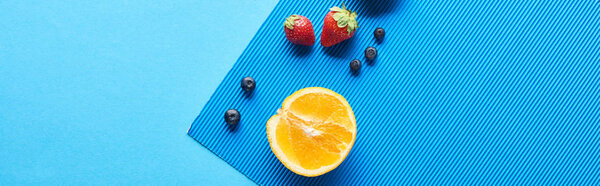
314 135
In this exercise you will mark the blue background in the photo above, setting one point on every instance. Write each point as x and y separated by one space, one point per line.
104 92
462 92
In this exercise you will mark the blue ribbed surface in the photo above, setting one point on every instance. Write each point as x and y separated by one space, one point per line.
463 92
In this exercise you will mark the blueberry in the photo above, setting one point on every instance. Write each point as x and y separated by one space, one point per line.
248 84
232 117
355 65
371 53
379 33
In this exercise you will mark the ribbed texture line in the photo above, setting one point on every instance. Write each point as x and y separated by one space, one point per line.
462 93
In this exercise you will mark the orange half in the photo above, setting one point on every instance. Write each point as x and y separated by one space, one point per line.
313 131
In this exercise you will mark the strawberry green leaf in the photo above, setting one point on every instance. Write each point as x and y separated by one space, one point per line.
345 18
342 23
338 16
291 21
336 9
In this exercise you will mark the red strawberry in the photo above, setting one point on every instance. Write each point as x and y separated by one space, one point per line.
340 24
299 30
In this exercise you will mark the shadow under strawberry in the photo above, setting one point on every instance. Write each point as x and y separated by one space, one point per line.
299 50
341 49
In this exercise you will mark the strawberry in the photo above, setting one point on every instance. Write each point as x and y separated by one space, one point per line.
299 30
340 24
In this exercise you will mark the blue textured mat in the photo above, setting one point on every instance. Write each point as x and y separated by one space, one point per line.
494 92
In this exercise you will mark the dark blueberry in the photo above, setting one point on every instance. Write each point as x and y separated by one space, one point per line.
232 117
248 84
371 53
379 33
355 65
